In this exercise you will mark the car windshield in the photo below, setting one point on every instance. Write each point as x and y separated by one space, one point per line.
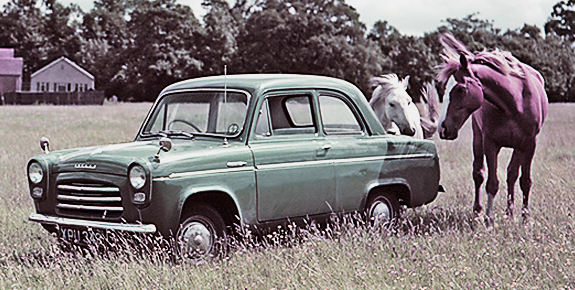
212 113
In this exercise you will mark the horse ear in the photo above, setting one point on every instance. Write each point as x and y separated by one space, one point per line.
463 61
405 82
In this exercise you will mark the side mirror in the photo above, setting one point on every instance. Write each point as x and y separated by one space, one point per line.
165 145
45 144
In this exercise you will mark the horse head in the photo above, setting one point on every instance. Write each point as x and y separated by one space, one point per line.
462 100
393 105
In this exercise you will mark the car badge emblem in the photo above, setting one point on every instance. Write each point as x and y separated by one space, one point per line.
84 166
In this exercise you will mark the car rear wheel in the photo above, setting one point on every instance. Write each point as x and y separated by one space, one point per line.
382 209
201 235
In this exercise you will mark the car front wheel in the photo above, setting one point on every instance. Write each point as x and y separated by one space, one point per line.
201 235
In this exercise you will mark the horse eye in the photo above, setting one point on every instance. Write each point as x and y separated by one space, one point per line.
392 105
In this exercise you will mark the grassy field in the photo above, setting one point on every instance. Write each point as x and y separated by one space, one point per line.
438 246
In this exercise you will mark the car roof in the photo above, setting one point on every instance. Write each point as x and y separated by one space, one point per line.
262 83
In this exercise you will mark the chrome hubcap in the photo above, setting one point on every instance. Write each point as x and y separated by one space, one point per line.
196 241
380 212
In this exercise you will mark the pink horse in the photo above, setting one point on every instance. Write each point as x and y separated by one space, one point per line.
508 104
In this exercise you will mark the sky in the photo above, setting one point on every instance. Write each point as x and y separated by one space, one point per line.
415 17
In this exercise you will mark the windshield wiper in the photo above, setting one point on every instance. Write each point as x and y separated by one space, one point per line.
178 133
168 133
154 134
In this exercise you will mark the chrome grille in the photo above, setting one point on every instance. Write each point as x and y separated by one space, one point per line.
89 200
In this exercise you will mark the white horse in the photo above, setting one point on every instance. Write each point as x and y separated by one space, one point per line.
396 110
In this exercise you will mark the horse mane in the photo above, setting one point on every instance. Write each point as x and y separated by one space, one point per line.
498 60
452 49
501 61
430 122
387 83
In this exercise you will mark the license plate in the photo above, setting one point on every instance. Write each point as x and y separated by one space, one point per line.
82 236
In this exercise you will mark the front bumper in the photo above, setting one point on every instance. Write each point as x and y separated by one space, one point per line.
136 228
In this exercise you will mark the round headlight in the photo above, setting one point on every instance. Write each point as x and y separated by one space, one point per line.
137 177
35 172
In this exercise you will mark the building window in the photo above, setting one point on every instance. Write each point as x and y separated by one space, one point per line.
69 87
61 87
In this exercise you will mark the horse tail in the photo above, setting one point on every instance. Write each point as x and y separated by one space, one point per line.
430 123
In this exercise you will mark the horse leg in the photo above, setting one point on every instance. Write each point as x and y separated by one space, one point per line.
478 165
525 182
512 175
492 186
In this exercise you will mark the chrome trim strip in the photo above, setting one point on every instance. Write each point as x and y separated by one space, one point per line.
345 160
89 207
89 198
203 172
298 164
137 228
295 164
87 188
383 158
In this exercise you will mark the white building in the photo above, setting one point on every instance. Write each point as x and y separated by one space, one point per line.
61 75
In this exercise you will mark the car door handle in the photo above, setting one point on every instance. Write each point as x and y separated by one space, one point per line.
326 147
232 164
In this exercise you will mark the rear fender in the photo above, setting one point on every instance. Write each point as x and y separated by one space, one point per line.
398 185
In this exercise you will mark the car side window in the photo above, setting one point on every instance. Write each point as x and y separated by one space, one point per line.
263 127
286 115
337 116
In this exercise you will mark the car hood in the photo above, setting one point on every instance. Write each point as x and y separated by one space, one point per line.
115 159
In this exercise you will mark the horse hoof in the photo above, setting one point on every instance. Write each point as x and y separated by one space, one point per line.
509 214
477 210
488 222
525 214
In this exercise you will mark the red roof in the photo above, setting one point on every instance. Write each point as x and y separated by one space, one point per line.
10 65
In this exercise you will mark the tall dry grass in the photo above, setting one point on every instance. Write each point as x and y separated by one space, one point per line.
438 246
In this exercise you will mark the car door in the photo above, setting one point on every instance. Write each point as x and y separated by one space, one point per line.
294 173
358 157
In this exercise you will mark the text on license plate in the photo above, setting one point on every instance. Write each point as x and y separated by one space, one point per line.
83 236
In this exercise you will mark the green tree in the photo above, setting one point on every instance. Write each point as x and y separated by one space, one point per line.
60 27
21 28
104 40
39 34
407 55
322 37
551 56
162 48
222 25
562 20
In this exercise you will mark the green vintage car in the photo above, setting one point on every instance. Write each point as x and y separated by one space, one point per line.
248 150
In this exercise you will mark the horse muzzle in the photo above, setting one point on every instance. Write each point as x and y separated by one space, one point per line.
408 131
448 134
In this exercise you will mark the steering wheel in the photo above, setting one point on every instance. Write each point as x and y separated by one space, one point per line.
184 122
